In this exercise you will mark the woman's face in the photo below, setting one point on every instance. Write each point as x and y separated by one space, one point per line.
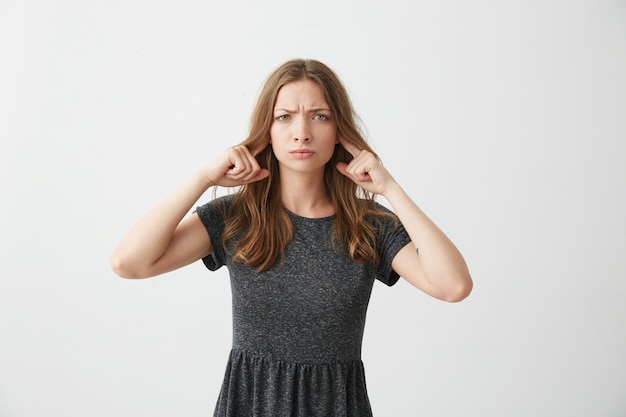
304 132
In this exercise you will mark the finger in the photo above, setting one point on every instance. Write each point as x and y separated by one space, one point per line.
257 149
253 171
261 175
341 167
358 176
352 149
241 162
237 171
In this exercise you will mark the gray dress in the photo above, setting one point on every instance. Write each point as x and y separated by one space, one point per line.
298 327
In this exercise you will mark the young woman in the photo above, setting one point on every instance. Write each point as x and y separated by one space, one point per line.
304 240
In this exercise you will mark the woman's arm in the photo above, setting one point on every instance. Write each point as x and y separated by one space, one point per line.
439 268
163 240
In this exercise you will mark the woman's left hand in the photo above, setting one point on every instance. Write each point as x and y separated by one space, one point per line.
365 169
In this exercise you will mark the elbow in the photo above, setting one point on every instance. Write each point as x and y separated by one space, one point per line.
123 269
460 291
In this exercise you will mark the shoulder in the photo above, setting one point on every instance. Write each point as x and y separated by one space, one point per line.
221 203
373 206
379 207
216 208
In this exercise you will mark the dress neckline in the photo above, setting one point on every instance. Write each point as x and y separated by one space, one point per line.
297 216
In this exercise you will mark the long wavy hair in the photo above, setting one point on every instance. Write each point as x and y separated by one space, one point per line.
257 221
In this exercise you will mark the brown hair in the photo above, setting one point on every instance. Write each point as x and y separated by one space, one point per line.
257 219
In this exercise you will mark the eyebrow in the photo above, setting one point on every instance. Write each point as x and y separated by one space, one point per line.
318 109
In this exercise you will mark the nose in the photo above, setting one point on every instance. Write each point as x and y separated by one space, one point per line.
302 131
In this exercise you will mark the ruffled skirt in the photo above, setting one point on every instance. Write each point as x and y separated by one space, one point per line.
260 386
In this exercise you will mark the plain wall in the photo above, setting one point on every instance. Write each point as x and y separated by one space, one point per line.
504 120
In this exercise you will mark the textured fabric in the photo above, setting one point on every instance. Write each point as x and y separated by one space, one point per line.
298 327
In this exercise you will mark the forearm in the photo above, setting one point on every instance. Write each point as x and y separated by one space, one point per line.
442 262
149 238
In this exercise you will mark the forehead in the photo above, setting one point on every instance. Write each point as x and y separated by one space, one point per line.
302 92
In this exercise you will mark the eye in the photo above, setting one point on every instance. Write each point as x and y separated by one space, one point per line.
282 117
320 117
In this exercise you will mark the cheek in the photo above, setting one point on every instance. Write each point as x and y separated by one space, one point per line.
333 135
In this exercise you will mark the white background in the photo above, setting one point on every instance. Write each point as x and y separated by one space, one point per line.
505 120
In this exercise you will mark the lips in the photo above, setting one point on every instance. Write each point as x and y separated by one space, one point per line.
302 153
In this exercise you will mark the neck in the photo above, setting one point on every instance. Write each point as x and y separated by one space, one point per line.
306 196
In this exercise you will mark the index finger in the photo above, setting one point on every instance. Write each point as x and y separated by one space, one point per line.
258 147
351 148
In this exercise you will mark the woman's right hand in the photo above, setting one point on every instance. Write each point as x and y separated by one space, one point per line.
236 166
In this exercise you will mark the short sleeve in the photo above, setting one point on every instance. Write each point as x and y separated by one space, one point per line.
391 240
212 216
